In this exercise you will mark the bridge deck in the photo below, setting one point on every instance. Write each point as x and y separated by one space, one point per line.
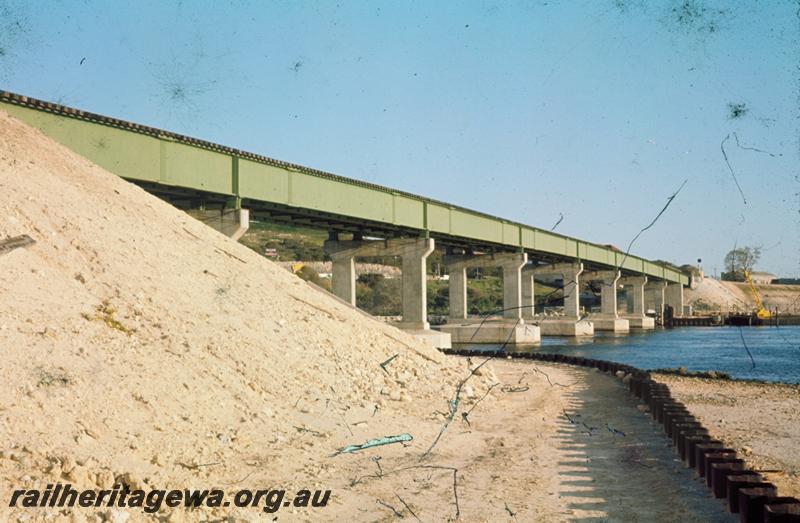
186 170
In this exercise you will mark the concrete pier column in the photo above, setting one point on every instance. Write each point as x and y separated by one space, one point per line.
233 223
608 293
343 276
414 252
458 292
635 288
528 294
512 284
570 324
510 328
415 284
572 291
608 319
673 296
636 317
654 297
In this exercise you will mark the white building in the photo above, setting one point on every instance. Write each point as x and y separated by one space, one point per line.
762 278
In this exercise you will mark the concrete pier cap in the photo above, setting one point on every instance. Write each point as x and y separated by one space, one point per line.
509 325
413 253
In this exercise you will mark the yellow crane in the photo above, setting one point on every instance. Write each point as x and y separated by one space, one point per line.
761 312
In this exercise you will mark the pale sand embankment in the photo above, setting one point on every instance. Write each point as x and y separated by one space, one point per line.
138 345
553 452
712 295
760 420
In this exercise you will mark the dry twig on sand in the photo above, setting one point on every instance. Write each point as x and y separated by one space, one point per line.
387 362
310 431
465 415
407 507
223 251
16 242
453 407
412 467
513 515
396 513
552 383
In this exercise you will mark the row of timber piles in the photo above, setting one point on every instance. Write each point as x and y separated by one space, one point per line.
742 490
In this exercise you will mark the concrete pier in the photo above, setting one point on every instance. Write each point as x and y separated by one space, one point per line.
458 293
654 297
570 324
634 286
608 319
673 296
510 327
413 252
493 331
343 275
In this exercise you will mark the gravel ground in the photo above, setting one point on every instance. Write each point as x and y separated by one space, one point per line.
760 420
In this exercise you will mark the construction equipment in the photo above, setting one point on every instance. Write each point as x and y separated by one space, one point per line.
297 266
761 312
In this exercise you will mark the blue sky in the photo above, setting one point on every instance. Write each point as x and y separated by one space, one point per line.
527 110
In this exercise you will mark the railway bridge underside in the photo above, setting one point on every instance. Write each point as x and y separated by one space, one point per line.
226 187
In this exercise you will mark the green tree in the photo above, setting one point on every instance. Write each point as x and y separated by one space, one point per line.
378 295
739 260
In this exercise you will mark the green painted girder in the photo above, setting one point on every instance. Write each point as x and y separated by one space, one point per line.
165 161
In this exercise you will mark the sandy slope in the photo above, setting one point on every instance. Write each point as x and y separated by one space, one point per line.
726 296
136 341
520 458
718 295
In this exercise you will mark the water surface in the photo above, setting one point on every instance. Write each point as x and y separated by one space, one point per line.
775 350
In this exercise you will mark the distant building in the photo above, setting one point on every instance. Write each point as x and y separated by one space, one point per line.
762 278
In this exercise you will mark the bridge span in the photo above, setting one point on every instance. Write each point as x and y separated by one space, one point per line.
226 186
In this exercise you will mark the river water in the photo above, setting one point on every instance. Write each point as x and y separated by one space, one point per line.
775 350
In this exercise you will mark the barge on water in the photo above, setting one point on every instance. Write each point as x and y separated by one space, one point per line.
738 320
751 320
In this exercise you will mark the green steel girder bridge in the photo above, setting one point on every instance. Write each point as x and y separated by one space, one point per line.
192 173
